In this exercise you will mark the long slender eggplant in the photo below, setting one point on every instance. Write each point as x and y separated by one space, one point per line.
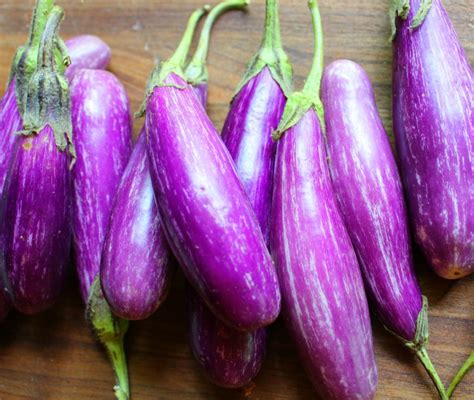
323 299
434 131
87 52
232 358
35 233
370 197
102 126
208 220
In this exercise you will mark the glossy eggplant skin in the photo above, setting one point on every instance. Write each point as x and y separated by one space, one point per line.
370 195
323 299
87 52
103 138
247 133
434 132
201 91
136 264
229 357
36 224
209 222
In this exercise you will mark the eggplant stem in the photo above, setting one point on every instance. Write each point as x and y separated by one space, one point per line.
116 352
461 374
196 71
48 41
179 56
38 22
424 358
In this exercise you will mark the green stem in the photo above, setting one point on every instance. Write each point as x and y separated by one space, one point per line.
196 71
38 23
300 102
423 356
461 374
48 41
271 34
179 56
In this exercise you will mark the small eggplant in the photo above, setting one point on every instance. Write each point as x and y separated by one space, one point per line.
229 357
323 299
434 132
87 52
208 220
370 197
35 234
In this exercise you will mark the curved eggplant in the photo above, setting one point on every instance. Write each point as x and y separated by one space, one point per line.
323 299
136 261
87 52
434 131
103 138
370 197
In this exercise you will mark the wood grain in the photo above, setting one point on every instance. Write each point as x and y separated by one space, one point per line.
53 356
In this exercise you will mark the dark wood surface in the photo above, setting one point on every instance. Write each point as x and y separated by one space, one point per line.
53 355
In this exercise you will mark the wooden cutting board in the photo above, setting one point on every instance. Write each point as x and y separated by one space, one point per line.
53 355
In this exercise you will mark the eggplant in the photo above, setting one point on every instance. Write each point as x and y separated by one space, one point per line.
87 52
434 133
102 126
323 299
370 197
35 208
229 357
208 220
137 264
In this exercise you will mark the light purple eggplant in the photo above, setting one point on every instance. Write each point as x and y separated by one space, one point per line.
434 131
209 223
87 52
323 299
35 209
370 197
136 261
229 357
102 127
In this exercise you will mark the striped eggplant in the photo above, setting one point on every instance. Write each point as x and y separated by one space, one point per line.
136 262
323 299
87 52
102 127
35 207
434 131
370 197
232 358
208 220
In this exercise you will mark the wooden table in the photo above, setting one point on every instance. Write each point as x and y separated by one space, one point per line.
53 355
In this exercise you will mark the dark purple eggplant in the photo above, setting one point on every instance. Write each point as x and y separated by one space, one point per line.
229 357
35 234
323 299
208 220
370 197
434 131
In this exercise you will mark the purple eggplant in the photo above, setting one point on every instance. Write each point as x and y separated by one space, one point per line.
232 358
136 261
87 52
102 126
35 234
370 197
434 131
323 299
208 220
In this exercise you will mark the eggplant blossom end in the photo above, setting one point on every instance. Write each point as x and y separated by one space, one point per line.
110 331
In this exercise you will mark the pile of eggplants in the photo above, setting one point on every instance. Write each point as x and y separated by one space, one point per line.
300 200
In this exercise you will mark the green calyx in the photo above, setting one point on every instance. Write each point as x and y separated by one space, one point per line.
46 99
110 332
300 102
418 346
461 374
401 8
271 53
175 64
196 71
